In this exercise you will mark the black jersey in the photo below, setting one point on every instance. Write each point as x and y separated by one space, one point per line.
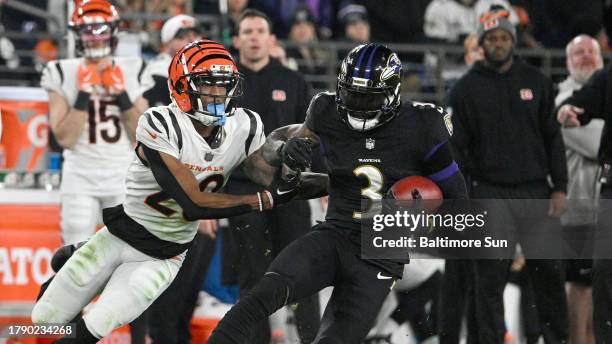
365 165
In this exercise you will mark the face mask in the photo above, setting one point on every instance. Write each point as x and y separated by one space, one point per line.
217 110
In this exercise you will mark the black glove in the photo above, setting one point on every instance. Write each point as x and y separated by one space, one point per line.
283 190
296 153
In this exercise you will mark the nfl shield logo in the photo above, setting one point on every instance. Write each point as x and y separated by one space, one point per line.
209 156
370 143
526 94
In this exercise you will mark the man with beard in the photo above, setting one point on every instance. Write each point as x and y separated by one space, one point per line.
509 143
594 100
583 59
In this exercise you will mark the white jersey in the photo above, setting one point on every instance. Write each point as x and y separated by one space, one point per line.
166 129
97 163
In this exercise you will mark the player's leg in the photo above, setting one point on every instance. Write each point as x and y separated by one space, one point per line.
252 234
455 291
358 295
138 327
78 217
303 268
549 290
133 286
79 280
490 277
290 223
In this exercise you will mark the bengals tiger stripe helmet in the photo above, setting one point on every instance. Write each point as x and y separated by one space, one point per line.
95 21
204 63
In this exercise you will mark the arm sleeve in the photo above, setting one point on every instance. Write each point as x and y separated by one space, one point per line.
553 140
311 120
439 164
171 186
585 140
591 97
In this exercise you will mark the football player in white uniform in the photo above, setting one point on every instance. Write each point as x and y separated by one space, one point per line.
185 153
94 104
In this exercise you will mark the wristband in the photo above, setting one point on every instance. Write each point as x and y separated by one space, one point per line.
82 101
124 102
269 194
260 201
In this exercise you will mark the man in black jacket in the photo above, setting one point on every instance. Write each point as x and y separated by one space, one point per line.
509 144
280 96
594 100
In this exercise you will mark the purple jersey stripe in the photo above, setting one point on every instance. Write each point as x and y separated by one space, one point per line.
435 149
444 173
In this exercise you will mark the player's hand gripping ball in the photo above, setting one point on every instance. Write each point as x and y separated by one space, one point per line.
417 191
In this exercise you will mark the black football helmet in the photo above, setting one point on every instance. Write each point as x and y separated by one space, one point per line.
368 89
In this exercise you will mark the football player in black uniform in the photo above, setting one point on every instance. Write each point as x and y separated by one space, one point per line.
369 140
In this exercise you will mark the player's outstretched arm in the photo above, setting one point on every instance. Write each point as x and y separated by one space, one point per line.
65 121
311 185
276 141
179 183
292 145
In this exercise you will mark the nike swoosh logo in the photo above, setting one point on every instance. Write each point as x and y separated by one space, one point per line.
383 277
278 191
153 135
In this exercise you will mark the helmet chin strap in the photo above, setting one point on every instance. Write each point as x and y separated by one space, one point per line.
361 124
214 114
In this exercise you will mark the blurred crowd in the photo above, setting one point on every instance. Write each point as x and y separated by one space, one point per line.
301 24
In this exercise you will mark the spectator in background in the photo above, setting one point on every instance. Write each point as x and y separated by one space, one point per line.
594 100
310 60
234 10
175 34
280 96
354 20
282 14
583 58
450 21
502 97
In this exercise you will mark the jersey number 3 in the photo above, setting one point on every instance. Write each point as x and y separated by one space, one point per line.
372 191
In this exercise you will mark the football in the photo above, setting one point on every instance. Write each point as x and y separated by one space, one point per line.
421 188
415 187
